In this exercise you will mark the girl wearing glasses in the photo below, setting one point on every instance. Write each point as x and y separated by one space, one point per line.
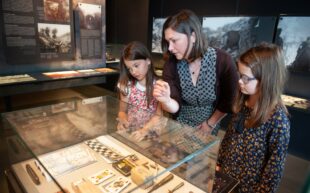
255 145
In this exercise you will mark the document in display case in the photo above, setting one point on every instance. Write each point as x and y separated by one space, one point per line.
82 146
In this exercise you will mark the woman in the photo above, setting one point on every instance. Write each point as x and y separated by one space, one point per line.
199 81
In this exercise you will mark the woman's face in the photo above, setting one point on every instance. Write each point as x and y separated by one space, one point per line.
178 43
138 68
247 82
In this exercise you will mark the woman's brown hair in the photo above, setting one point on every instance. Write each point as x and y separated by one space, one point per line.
186 22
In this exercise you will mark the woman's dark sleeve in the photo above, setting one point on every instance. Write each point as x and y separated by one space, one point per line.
171 76
227 81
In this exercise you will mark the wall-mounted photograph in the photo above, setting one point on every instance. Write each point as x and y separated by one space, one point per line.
293 35
237 34
90 16
57 10
54 38
156 34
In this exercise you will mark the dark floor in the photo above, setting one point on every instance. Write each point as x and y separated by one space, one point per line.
295 172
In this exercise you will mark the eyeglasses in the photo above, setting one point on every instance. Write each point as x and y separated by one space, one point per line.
245 79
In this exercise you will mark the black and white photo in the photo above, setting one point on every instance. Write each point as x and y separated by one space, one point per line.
157 34
54 38
293 35
90 16
237 34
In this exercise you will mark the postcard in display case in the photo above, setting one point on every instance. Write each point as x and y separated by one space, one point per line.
76 146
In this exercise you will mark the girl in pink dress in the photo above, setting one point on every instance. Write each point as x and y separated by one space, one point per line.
135 86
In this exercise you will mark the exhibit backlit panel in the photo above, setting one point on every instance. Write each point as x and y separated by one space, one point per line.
237 34
293 35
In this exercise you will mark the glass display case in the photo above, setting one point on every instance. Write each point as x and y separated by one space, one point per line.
79 146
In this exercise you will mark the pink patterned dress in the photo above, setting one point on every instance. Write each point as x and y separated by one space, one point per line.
138 111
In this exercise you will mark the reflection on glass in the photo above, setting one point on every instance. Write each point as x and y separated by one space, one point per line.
79 145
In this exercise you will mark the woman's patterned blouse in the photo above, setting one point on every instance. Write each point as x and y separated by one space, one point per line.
256 156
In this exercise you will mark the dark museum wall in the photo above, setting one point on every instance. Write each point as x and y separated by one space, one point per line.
129 20
132 20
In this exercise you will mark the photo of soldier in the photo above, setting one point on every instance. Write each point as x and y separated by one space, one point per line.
57 10
90 16
54 38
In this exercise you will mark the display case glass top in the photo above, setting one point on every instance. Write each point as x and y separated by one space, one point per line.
81 145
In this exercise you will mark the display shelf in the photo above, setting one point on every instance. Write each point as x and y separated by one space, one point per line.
7 80
35 82
76 144
296 102
115 60
79 73
16 78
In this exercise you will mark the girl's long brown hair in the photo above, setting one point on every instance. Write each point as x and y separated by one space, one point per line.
135 51
267 64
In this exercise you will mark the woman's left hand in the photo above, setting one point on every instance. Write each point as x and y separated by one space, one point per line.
204 127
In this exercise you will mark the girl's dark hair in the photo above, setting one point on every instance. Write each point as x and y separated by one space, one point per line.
135 51
186 22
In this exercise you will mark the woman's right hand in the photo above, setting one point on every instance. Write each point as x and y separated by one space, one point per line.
162 91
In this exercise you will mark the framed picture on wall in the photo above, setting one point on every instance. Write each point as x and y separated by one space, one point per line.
56 35
157 34
237 34
54 38
89 30
293 35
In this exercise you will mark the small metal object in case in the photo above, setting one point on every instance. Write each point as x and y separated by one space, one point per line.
123 166
32 175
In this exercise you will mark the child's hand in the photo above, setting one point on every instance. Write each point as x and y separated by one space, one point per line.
122 124
140 134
